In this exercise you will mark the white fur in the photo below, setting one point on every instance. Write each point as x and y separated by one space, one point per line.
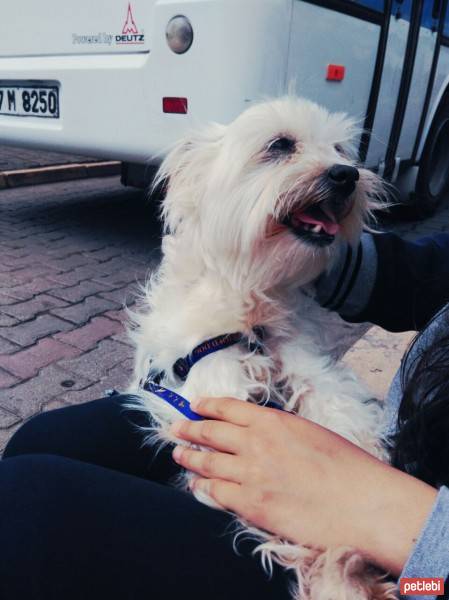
227 268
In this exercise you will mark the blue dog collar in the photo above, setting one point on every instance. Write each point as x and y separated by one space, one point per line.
183 405
183 365
179 402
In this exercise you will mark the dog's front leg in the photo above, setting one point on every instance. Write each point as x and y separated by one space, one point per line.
326 393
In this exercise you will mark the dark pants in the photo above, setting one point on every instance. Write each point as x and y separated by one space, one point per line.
87 513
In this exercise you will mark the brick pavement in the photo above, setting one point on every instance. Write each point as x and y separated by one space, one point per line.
12 157
71 256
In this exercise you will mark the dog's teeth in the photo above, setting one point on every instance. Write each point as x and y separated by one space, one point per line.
317 229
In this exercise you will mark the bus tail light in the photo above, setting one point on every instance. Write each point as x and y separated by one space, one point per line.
175 105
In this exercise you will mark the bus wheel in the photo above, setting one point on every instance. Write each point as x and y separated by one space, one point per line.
432 183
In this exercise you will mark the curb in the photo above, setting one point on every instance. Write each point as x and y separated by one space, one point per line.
23 177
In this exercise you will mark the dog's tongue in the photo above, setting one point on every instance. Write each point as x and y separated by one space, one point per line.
330 228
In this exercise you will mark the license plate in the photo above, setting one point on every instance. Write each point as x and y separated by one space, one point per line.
29 100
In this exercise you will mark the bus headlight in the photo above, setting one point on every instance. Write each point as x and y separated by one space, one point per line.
179 34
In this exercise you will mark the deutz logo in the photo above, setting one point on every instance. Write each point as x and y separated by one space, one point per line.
130 33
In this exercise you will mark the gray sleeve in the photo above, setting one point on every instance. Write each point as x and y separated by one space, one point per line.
347 285
430 555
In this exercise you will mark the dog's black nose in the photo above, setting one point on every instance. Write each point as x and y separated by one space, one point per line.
341 181
343 175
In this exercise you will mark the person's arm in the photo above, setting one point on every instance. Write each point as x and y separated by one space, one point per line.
386 280
306 484
430 555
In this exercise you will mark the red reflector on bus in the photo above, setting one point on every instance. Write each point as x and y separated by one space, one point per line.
335 72
175 105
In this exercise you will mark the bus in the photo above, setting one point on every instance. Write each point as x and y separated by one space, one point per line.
124 79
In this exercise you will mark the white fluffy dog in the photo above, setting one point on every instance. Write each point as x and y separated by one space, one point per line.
253 213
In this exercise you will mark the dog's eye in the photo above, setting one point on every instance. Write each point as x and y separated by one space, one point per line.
281 145
339 149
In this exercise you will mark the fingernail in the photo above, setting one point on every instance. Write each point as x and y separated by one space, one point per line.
177 453
194 403
175 427
200 484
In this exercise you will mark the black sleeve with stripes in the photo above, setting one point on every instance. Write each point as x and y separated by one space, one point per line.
391 282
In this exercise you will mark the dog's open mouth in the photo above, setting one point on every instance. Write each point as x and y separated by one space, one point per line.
315 225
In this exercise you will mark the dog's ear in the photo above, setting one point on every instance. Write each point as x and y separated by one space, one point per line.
184 174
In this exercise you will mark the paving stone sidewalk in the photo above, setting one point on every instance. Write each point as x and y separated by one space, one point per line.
71 255
14 158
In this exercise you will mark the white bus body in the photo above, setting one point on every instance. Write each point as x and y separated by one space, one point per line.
109 63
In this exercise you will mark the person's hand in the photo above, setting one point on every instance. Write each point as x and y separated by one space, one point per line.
302 482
